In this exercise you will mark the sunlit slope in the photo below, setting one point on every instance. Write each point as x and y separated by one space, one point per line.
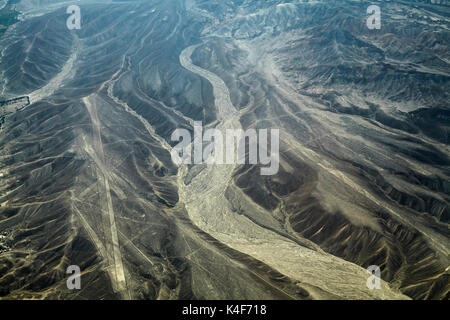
87 177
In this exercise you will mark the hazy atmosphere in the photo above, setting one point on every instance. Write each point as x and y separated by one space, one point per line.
224 149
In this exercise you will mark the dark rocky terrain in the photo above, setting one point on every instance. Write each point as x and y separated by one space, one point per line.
86 176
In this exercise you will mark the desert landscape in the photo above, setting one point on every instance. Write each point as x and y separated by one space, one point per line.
87 177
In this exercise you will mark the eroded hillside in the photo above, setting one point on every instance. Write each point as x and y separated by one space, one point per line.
87 179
